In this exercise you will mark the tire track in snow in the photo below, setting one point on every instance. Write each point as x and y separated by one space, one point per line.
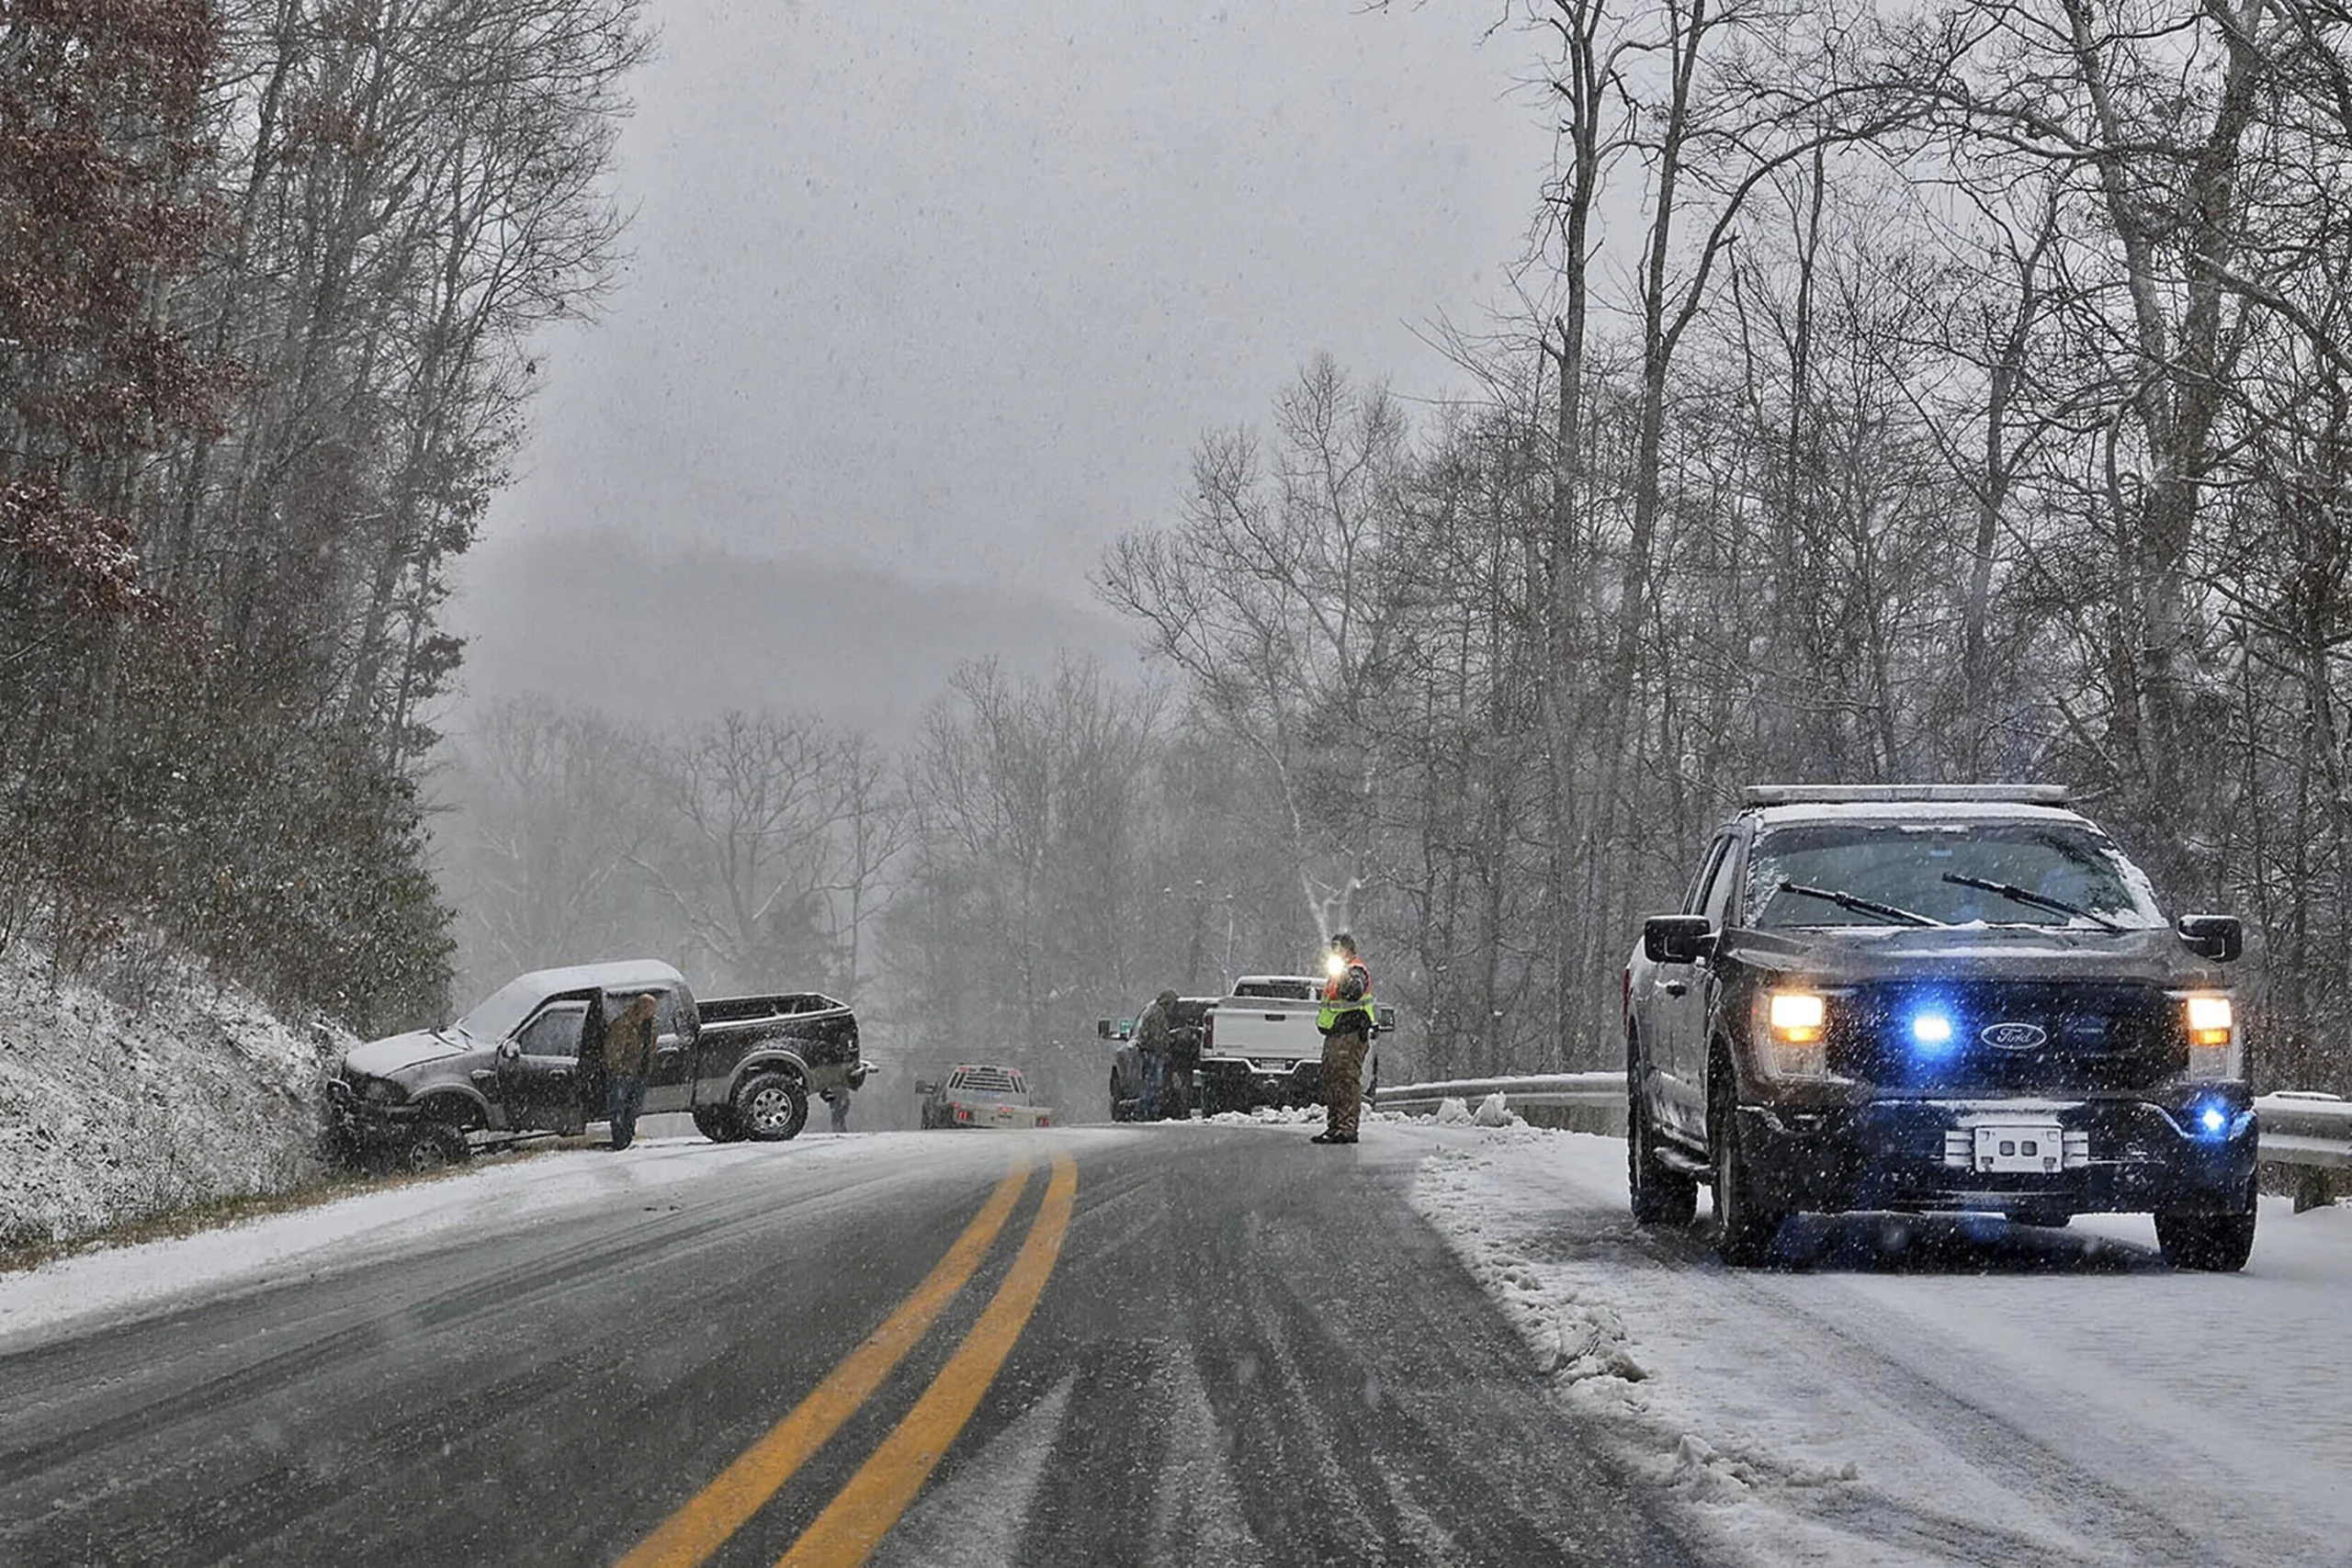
2078 1495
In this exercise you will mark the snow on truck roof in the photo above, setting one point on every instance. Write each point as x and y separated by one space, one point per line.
496 1015
1913 813
1925 804
1952 795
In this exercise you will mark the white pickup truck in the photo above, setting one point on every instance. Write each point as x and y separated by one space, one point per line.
978 1095
1259 1046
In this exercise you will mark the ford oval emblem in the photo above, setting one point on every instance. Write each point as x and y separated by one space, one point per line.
2014 1036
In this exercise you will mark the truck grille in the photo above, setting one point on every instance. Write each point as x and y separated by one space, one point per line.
2011 1036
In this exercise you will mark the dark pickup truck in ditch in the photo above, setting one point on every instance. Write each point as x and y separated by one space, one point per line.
1953 999
531 1058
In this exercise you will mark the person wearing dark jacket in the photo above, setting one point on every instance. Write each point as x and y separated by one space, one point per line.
1154 1036
628 1062
1346 1019
1183 1060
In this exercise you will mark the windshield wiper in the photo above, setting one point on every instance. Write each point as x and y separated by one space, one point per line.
2012 891
1855 901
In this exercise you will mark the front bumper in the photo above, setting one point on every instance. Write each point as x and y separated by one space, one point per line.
350 1111
2121 1155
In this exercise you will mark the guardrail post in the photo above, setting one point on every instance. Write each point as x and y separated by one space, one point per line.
2315 1188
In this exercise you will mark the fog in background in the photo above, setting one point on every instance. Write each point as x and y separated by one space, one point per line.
925 305
928 296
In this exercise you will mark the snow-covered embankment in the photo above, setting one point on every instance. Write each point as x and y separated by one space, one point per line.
111 1112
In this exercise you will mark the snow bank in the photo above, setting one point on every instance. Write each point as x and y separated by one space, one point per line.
1495 1111
1291 1116
112 1110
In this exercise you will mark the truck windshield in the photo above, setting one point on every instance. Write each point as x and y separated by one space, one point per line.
497 1015
1289 990
1937 870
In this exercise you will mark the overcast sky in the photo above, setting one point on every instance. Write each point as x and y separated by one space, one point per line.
950 290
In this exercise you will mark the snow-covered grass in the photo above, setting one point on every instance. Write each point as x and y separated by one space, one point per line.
1928 1391
112 1111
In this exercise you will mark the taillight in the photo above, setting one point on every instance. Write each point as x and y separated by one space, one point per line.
962 1114
1208 1030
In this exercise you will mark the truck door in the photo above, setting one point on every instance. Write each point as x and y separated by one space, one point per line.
538 1068
672 1086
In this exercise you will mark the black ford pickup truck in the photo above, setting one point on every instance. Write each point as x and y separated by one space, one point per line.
531 1056
1951 997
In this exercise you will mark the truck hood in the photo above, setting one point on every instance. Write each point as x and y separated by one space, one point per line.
1978 953
384 1058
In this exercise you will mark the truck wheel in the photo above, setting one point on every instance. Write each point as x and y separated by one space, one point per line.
1744 1226
430 1145
718 1123
1117 1114
2210 1244
1661 1195
771 1107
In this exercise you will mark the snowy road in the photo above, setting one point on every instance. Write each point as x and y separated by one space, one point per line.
1245 1350
1446 1346
1931 1391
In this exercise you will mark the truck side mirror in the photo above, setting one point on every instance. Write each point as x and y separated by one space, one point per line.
922 1087
1101 1029
1676 939
1383 1016
2221 938
508 1051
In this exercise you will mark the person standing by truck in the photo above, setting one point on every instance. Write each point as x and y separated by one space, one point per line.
1155 1033
628 1062
1345 1018
1184 1061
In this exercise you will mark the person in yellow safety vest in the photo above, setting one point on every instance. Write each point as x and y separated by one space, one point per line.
1346 1019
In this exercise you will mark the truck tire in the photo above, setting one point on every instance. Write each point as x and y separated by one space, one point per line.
1660 1194
1744 1226
1117 1114
771 1107
2207 1243
430 1145
718 1123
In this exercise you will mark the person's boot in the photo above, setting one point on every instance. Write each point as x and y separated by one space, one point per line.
1325 1136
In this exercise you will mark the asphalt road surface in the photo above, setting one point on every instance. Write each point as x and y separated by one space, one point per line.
1198 1346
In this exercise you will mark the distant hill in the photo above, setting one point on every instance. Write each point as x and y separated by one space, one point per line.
603 620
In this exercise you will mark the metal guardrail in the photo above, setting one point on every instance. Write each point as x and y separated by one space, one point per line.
2310 1131
2313 1131
2306 1129
1550 1089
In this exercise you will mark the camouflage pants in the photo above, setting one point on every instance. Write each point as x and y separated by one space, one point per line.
1343 1081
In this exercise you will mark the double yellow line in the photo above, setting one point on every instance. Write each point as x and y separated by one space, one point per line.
862 1513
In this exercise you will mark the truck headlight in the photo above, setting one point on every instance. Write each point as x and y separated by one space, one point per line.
2212 1021
1797 1018
1794 1033
2211 1024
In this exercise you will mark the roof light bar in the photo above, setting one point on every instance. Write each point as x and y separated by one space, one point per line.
1833 794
